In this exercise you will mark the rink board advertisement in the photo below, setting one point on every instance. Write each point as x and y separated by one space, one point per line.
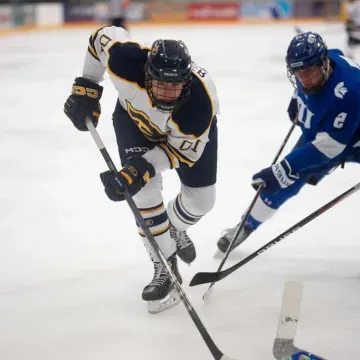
16 15
166 11
5 16
79 10
214 11
267 10
133 12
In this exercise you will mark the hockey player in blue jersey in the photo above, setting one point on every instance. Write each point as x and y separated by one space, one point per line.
326 106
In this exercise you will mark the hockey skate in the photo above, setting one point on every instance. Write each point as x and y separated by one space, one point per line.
160 294
226 238
185 248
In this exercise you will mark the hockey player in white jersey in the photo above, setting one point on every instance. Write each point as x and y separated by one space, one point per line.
353 29
165 118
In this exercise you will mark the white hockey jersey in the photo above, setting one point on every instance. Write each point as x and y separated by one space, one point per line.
181 136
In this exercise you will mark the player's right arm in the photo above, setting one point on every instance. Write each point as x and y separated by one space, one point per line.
97 55
111 49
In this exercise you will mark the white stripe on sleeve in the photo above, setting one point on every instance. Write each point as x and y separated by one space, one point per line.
327 145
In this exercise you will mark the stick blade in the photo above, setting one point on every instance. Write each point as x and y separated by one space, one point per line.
224 357
204 278
288 320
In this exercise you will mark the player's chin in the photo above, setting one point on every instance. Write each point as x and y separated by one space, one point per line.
167 100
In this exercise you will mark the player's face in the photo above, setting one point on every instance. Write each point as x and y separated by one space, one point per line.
166 91
310 77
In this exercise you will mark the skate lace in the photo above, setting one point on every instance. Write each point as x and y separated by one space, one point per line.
181 238
160 275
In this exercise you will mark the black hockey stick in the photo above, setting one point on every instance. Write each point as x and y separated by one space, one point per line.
211 277
216 353
244 218
284 347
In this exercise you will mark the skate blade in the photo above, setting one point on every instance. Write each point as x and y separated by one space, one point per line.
171 300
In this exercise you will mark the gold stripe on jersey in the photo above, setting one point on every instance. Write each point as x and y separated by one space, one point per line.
179 155
94 34
91 46
93 53
171 157
143 122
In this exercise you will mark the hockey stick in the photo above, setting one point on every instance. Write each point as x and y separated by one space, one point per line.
210 277
216 353
284 348
248 211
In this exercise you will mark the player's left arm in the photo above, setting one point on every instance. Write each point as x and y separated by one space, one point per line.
333 138
191 125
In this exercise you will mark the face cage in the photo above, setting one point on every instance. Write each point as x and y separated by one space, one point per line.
168 106
310 91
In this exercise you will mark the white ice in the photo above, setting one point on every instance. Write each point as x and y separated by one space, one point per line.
72 267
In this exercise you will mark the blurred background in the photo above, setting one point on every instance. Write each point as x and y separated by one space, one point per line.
15 13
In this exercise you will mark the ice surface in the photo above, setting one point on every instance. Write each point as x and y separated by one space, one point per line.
72 267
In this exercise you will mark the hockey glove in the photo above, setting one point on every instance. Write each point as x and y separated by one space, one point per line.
83 102
274 178
293 109
132 177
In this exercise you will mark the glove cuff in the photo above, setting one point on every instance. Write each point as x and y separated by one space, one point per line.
81 81
283 174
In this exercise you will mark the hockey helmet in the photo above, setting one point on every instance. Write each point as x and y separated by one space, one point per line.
305 51
168 62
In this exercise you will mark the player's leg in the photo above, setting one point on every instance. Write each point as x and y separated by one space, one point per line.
196 197
266 206
149 200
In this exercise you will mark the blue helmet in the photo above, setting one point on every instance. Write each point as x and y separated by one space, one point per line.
306 50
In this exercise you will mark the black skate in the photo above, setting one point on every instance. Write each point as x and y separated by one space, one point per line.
161 294
185 248
228 235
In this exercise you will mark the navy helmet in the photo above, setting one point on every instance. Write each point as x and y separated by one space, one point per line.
170 61
306 50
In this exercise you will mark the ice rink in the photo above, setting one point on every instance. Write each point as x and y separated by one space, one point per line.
72 266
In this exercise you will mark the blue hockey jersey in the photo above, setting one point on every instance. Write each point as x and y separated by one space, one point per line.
329 119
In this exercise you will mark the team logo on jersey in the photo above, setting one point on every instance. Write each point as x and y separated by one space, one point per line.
143 122
340 90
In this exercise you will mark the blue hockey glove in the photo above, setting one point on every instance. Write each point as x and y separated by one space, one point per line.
132 177
274 178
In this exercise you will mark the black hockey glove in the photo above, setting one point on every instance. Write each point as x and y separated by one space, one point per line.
132 177
83 102
293 109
